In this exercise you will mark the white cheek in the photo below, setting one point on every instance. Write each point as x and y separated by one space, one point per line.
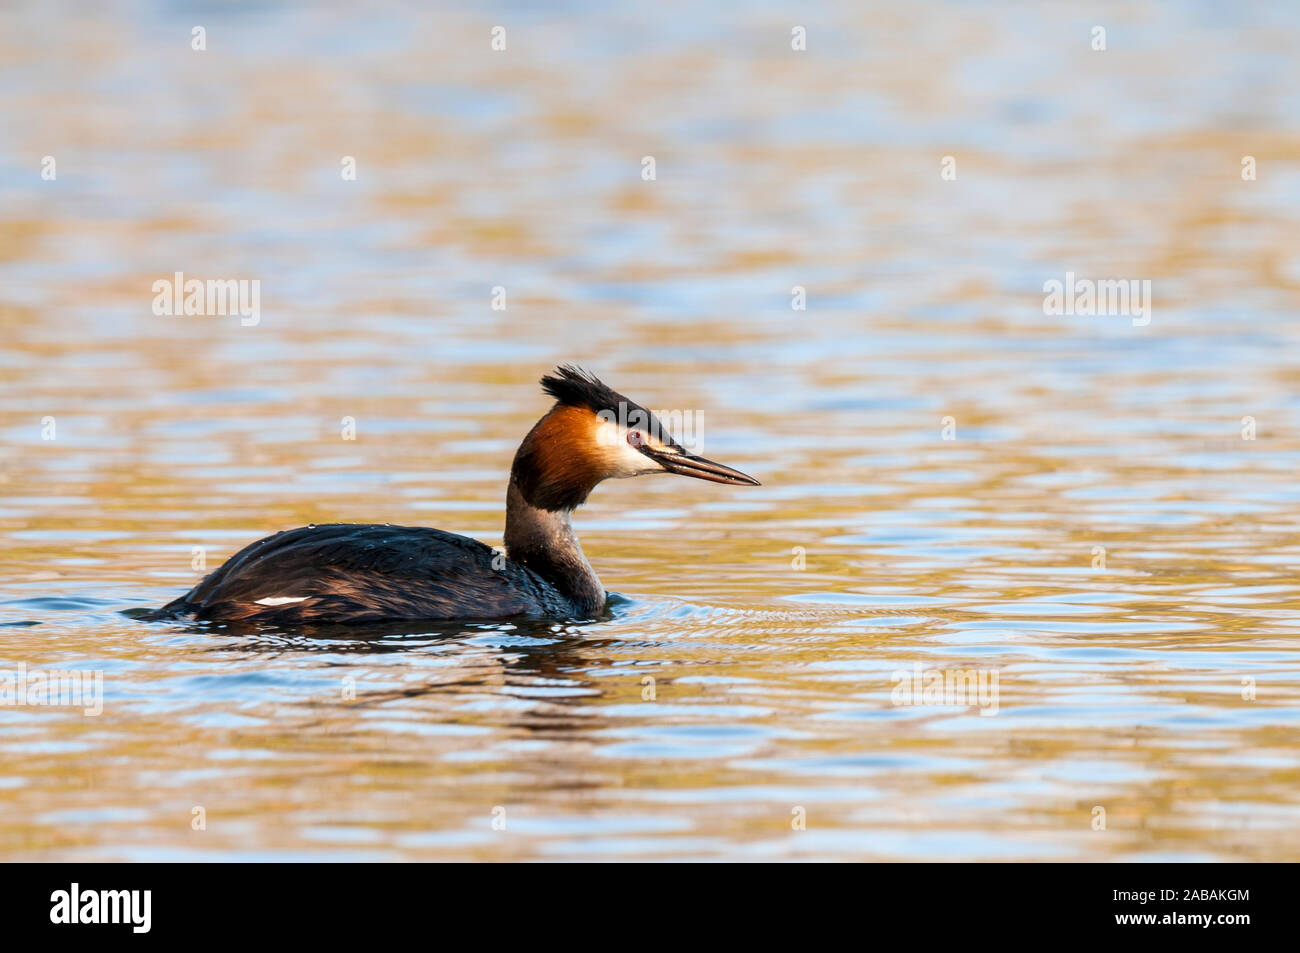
633 462
623 459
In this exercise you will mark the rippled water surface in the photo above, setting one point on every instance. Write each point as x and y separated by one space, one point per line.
1098 534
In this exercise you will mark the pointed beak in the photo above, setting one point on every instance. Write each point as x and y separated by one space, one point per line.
687 464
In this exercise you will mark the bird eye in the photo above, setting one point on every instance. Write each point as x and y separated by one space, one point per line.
635 438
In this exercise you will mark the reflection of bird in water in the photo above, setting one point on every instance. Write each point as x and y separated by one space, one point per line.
543 665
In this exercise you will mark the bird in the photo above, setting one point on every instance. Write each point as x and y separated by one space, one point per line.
350 573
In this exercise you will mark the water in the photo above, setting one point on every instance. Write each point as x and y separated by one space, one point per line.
772 620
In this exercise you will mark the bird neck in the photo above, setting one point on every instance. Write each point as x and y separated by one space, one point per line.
543 540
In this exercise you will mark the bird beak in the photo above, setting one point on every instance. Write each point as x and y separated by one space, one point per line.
687 464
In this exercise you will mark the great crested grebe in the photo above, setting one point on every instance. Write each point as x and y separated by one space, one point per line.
346 572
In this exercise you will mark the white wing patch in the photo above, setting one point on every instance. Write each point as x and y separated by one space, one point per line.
281 600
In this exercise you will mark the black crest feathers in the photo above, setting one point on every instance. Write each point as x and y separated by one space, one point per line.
572 385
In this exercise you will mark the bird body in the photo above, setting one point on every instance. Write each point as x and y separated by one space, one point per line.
356 572
360 573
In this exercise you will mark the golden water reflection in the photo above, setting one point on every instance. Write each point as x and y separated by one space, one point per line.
1123 688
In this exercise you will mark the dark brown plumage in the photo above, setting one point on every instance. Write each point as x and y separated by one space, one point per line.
352 572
